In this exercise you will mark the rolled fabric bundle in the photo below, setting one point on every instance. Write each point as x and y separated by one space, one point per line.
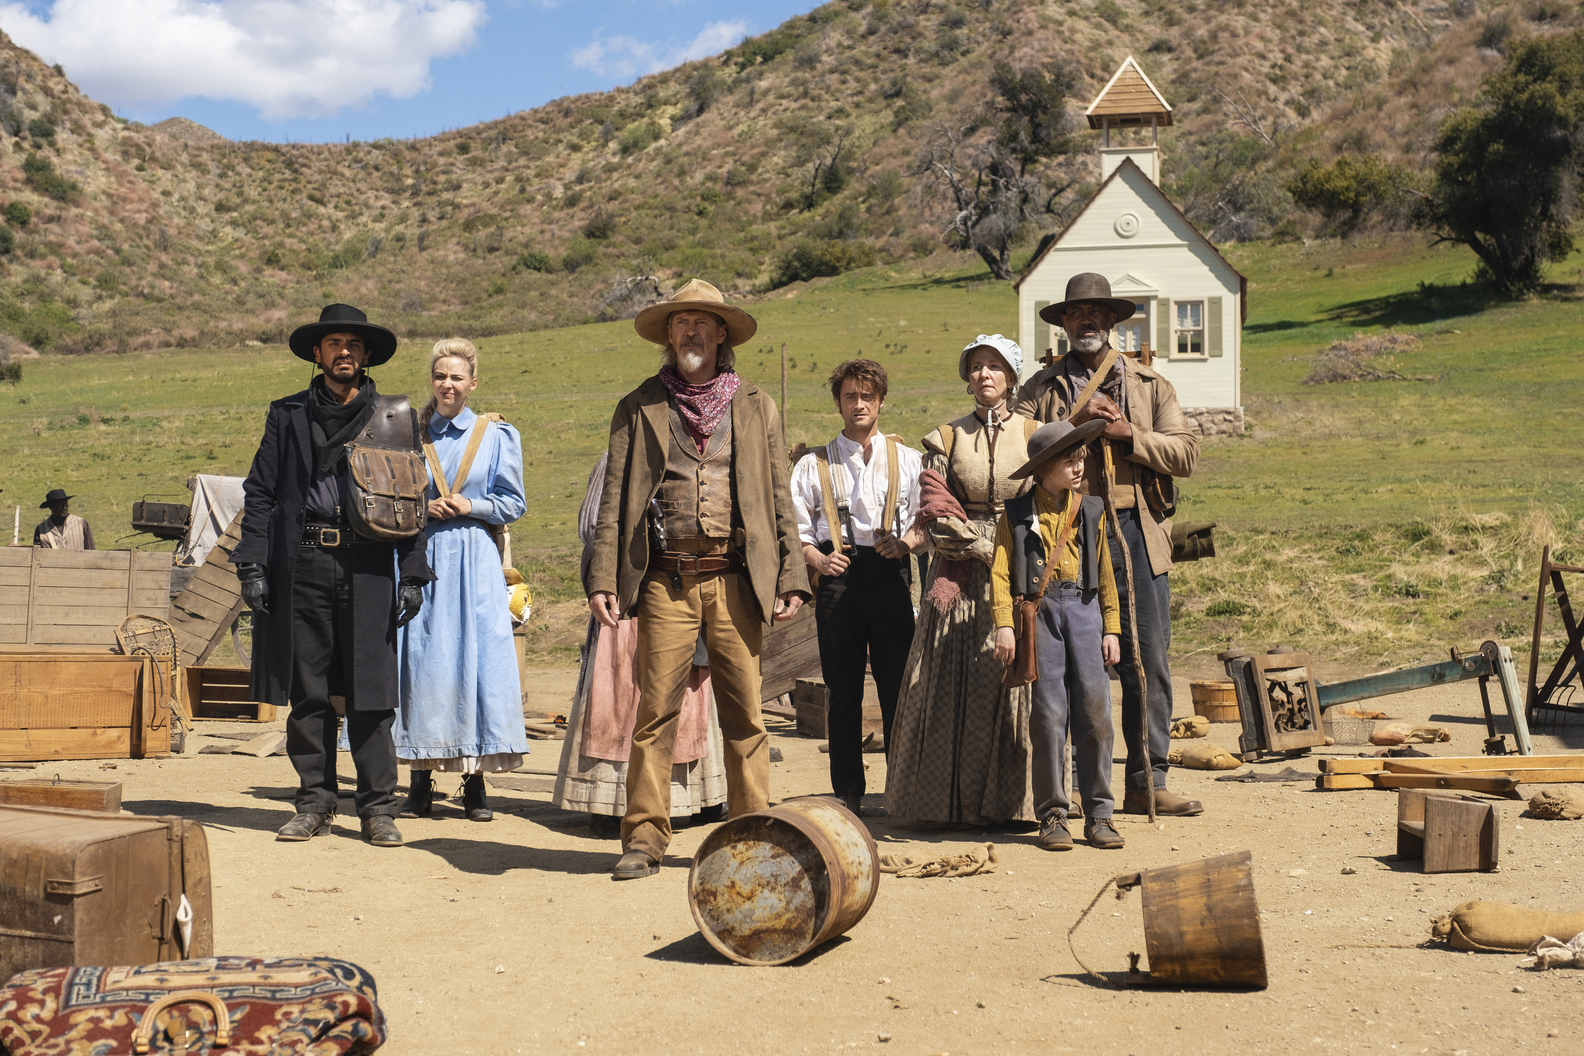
1499 926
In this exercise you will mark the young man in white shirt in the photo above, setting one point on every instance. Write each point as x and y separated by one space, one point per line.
855 500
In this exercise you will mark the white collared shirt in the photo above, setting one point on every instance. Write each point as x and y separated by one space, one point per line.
866 490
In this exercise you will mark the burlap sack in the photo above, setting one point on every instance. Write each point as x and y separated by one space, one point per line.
1498 926
1189 727
1563 804
1203 756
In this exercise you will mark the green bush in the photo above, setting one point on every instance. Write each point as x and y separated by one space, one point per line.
637 136
1111 12
533 260
1351 188
42 130
18 215
578 255
810 258
10 370
41 174
7 242
601 226
1227 607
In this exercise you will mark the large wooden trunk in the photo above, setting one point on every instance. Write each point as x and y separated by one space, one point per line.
78 597
78 888
67 704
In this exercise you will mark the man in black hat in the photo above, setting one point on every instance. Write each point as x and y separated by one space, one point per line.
1150 443
326 600
62 529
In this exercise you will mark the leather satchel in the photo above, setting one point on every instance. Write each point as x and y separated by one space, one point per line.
281 1006
386 476
1024 667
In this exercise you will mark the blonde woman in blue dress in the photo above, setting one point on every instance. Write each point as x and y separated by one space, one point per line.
461 702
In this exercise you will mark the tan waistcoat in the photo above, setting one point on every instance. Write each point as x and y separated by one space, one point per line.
695 493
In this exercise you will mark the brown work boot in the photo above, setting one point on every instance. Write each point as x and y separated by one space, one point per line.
1168 804
1099 832
634 865
1053 834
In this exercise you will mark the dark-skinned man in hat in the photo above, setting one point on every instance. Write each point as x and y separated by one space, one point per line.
1149 439
62 529
696 533
326 600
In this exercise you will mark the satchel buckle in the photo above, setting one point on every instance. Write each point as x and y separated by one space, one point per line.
330 537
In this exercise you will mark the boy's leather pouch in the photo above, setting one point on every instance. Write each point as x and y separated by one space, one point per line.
1024 667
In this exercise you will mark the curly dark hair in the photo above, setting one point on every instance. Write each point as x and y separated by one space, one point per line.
864 371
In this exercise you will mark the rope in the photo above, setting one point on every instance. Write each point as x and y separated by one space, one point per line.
1073 949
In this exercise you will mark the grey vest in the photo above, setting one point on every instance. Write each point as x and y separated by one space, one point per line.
1028 545
696 491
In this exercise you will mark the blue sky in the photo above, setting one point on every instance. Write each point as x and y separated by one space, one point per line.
320 70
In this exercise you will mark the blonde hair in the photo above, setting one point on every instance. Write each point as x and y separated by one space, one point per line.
458 347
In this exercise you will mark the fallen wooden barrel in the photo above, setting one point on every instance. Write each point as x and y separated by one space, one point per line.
1201 923
770 886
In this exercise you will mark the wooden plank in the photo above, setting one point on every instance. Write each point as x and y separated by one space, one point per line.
48 745
206 587
12 634
49 615
1492 785
16 557
1454 763
103 796
1459 836
61 578
1344 782
118 560
1554 776
195 604
14 575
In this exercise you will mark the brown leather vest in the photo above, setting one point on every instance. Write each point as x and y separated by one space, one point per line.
696 492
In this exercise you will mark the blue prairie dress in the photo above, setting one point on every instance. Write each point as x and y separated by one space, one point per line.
461 701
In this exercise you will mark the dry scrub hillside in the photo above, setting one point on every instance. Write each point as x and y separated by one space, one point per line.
125 236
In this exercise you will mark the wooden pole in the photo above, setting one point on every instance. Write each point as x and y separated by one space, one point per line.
1115 526
783 391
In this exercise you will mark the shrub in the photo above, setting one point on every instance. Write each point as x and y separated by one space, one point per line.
533 260
810 258
18 215
1111 12
601 226
1228 607
639 135
42 130
578 255
41 174
1351 188
7 242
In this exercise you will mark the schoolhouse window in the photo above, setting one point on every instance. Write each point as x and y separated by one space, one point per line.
1190 329
1132 332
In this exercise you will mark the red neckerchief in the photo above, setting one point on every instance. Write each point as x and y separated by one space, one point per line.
702 406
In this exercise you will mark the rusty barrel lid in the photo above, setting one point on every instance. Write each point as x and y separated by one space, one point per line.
768 887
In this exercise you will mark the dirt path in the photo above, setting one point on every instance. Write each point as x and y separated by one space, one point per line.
510 937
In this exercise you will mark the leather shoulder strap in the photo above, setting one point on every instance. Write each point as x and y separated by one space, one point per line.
1094 382
1074 504
475 437
828 494
893 487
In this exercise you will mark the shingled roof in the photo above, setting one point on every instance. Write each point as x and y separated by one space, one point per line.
1129 98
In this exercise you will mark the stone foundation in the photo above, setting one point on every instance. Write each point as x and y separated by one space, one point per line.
1215 421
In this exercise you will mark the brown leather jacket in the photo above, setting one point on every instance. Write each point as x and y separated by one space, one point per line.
1162 439
640 436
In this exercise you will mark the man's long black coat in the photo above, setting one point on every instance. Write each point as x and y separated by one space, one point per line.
275 492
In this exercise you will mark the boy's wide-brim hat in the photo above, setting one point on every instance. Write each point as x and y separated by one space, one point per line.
695 295
1089 286
344 319
1053 439
55 495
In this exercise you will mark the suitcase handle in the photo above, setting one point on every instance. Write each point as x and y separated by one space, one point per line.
145 1028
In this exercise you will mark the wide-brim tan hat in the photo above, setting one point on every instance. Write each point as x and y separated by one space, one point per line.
1056 438
1089 286
695 295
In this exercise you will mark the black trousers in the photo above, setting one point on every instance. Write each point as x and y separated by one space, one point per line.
1153 601
322 668
865 619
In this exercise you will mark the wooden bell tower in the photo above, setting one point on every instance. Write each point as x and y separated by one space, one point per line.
1129 101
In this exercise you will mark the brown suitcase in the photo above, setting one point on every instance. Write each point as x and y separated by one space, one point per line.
80 889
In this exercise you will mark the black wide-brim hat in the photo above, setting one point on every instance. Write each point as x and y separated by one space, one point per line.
55 495
1056 438
344 319
1089 286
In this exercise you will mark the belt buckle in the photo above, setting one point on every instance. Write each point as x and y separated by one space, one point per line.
688 557
330 537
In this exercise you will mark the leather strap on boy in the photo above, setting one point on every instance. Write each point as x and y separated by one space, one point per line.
1024 667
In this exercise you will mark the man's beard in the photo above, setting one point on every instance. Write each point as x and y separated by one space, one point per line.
1089 343
691 360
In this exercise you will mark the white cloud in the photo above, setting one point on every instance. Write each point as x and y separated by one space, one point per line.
624 57
288 58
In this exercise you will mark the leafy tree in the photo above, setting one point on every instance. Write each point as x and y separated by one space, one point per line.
1506 175
1351 188
993 170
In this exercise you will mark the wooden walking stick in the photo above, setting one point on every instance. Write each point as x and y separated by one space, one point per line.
1108 478
783 393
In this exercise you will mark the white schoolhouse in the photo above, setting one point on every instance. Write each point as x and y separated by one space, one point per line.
1191 300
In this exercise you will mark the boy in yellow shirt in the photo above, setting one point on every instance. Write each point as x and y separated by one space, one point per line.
1076 629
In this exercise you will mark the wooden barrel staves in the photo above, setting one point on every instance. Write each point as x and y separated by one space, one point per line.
768 887
1202 924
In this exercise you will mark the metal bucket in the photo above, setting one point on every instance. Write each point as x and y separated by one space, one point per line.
1202 924
768 887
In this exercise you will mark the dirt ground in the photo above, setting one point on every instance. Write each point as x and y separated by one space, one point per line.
510 937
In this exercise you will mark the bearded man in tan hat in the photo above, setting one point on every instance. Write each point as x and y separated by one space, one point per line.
696 534
1151 443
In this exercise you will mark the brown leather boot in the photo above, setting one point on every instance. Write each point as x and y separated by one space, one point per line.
1053 834
1168 804
1099 832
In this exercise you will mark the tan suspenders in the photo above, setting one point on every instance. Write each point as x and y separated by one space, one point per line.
833 489
475 438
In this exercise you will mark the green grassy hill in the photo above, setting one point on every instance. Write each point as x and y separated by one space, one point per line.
154 237
1374 522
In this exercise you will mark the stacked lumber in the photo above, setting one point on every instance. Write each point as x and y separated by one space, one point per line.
1492 774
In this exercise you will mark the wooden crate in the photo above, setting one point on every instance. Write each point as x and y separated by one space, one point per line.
224 693
790 651
811 698
209 602
71 704
78 597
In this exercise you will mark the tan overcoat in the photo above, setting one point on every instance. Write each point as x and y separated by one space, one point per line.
640 437
1162 439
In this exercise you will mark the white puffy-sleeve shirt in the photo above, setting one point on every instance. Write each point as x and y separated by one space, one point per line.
866 490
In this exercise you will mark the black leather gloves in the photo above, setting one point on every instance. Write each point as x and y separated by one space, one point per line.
255 587
409 599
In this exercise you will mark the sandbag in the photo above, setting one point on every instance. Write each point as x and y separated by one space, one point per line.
1203 757
1409 733
1499 926
1189 727
1557 805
